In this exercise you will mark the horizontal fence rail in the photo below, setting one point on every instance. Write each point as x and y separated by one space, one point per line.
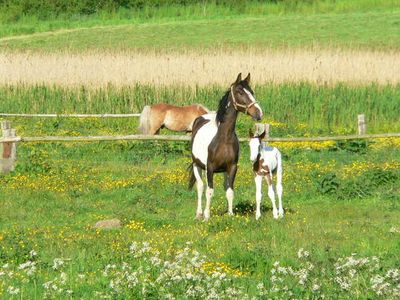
71 115
140 137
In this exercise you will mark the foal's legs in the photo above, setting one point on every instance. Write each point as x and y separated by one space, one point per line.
279 188
230 178
258 180
271 195
209 192
200 188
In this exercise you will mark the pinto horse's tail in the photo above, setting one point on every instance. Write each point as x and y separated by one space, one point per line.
144 125
192 178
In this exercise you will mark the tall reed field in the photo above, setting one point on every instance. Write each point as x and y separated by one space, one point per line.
201 67
292 106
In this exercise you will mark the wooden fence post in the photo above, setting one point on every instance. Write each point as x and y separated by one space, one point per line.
8 150
266 130
362 126
260 128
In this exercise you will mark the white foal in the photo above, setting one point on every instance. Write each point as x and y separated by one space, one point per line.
266 161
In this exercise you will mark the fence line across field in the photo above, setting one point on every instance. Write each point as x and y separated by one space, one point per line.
70 115
139 137
9 138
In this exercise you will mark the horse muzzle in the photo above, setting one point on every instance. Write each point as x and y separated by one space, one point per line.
257 116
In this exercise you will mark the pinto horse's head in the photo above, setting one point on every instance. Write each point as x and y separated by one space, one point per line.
243 98
255 143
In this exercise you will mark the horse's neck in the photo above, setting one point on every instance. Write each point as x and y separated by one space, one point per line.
226 128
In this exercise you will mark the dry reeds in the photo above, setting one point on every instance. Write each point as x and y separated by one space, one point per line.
220 67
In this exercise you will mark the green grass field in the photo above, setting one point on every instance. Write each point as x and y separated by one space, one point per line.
292 109
28 19
59 191
375 30
340 199
340 237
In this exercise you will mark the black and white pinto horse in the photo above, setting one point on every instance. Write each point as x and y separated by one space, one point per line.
215 146
267 161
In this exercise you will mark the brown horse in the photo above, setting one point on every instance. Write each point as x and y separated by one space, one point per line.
215 146
176 118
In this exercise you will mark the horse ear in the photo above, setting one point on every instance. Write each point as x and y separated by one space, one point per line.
247 79
251 134
239 78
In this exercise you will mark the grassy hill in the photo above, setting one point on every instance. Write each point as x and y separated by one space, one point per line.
355 24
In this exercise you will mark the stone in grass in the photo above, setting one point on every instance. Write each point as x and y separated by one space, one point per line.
108 224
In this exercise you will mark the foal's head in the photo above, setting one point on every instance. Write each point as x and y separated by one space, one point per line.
255 144
243 98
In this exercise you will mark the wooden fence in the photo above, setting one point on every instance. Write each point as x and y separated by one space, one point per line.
9 139
70 115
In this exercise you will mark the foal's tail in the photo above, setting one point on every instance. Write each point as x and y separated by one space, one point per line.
192 178
144 125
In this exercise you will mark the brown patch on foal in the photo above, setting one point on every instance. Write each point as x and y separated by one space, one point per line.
7 147
261 170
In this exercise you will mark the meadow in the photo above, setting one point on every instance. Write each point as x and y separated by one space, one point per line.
340 234
315 66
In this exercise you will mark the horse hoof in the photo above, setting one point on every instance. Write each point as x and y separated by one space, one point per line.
199 216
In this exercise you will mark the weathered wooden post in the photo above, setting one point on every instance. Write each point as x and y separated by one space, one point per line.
266 130
8 150
362 126
260 128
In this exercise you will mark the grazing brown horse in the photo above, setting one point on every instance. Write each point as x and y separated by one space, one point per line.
176 118
215 146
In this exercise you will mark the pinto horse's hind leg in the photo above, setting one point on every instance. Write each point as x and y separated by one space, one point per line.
279 188
230 180
271 195
200 188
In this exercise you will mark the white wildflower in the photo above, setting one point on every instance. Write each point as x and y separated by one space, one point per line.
57 263
32 253
315 287
302 253
394 229
63 277
13 290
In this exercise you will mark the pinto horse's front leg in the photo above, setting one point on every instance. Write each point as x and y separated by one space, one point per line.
231 175
200 187
209 192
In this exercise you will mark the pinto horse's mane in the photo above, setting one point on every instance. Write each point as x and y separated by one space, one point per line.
222 106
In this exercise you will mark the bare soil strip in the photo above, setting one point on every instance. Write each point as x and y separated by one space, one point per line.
220 68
